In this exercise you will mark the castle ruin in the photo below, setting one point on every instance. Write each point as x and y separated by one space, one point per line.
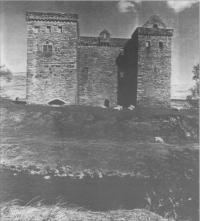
74 69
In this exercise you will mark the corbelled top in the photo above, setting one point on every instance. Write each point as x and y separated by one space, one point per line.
154 22
154 26
104 32
50 16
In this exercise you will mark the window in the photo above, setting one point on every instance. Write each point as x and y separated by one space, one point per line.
85 74
121 51
156 70
148 44
155 26
36 29
104 44
47 49
161 45
121 74
48 29
104 38
60 30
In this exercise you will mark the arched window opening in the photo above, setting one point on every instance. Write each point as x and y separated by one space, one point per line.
104 38
36 29
161 45
47 49
48 29
56 102
148 44
60 29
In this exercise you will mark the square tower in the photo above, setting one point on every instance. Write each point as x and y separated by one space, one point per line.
154 41
51 57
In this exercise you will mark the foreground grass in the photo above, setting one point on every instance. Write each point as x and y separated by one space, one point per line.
10 212
86 140
73 157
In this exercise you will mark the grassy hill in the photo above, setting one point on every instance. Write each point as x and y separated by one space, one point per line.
141 124
90 141
83 138
90 137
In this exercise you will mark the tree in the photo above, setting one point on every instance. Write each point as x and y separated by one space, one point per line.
196 72
5 73
193 98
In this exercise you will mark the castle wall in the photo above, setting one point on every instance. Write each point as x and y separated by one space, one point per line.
127 73
55 76
97 75
154 67
91 70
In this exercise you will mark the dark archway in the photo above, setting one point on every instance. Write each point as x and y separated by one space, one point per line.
56 102
107 103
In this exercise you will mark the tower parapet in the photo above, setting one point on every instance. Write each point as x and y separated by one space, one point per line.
48 16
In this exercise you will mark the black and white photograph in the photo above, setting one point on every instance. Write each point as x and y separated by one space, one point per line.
99 110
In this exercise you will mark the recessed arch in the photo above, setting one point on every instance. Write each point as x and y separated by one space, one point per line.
56 101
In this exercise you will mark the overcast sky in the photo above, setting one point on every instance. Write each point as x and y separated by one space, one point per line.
119 17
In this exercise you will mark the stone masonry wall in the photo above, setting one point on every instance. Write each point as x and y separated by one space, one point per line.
97 75
55 76
90 70
127 73
154 69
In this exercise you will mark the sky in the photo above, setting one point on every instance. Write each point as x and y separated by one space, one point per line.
119 17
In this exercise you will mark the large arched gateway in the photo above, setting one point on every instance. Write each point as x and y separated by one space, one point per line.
56 101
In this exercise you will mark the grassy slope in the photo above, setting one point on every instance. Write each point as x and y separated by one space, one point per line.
74 139
92 138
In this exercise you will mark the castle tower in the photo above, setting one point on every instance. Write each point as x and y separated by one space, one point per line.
154 62
51 57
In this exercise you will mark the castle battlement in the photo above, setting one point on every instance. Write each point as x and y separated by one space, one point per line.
50 16
154 31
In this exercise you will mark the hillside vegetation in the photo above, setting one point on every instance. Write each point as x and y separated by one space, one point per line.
80 141
83 138
141 124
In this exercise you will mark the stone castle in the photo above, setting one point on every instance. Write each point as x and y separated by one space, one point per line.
72 69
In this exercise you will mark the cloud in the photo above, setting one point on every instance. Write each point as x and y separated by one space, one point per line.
180 5
132 5
128 5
